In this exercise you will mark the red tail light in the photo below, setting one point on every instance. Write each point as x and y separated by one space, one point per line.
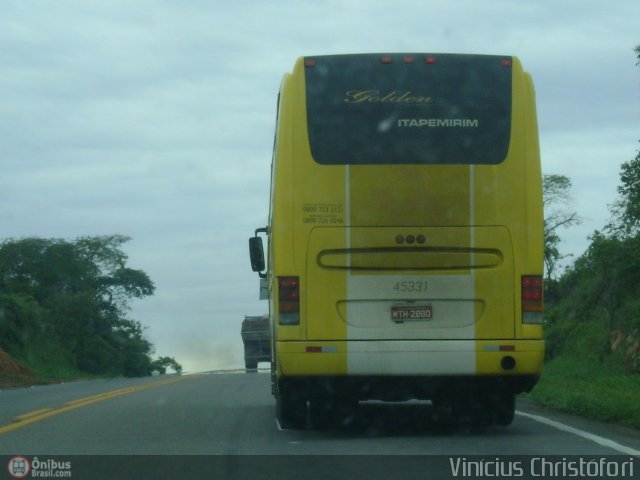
532 299
289 300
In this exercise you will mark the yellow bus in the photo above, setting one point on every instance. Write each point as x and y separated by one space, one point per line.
405 235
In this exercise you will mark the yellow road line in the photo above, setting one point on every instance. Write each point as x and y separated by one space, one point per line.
24 416
37 415
115 393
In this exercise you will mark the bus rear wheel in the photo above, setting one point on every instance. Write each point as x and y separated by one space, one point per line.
332 412
496 408
291 408
481 409
503 406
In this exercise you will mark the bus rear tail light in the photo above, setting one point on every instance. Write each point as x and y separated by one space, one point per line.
532 299
289 300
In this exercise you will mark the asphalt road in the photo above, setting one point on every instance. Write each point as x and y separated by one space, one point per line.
232 413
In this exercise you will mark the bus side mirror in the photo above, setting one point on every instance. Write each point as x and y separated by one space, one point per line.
256 253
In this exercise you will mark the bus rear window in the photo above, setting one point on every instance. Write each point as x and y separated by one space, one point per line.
408 109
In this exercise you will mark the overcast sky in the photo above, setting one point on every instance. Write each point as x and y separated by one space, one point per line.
155 119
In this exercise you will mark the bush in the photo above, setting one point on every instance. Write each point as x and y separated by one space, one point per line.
599 390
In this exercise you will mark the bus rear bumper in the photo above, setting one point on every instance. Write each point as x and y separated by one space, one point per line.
401 370
410 358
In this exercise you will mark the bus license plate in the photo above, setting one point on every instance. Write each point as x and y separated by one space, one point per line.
406 313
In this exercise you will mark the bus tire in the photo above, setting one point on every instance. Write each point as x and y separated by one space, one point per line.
291 409
251 365
320 413
504 408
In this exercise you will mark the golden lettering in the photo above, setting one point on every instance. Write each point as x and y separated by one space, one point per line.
375 96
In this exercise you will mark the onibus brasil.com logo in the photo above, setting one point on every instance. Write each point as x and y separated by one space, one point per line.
20 467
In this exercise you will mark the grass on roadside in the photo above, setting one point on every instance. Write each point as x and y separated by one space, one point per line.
41 374
601 391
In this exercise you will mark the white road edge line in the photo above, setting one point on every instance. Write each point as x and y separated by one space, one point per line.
605 442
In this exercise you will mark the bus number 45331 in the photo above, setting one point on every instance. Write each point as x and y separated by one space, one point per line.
410 286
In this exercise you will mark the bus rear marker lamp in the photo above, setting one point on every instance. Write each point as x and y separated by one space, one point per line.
319 349
386 60
408 59
289 300
430 60
309 62
499 348
410 239
506 63
532 299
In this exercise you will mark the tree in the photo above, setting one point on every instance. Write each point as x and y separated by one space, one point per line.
626 211
160 365
555 199
599 296
78 294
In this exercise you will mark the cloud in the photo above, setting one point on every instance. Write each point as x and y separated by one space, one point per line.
155 119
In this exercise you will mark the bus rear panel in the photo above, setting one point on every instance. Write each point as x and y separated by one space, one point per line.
405 234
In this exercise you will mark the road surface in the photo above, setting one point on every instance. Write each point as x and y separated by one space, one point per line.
232 413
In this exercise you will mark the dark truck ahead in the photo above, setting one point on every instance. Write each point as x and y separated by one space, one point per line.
257 341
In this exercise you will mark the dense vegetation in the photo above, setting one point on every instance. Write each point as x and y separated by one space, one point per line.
592 310
64 304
